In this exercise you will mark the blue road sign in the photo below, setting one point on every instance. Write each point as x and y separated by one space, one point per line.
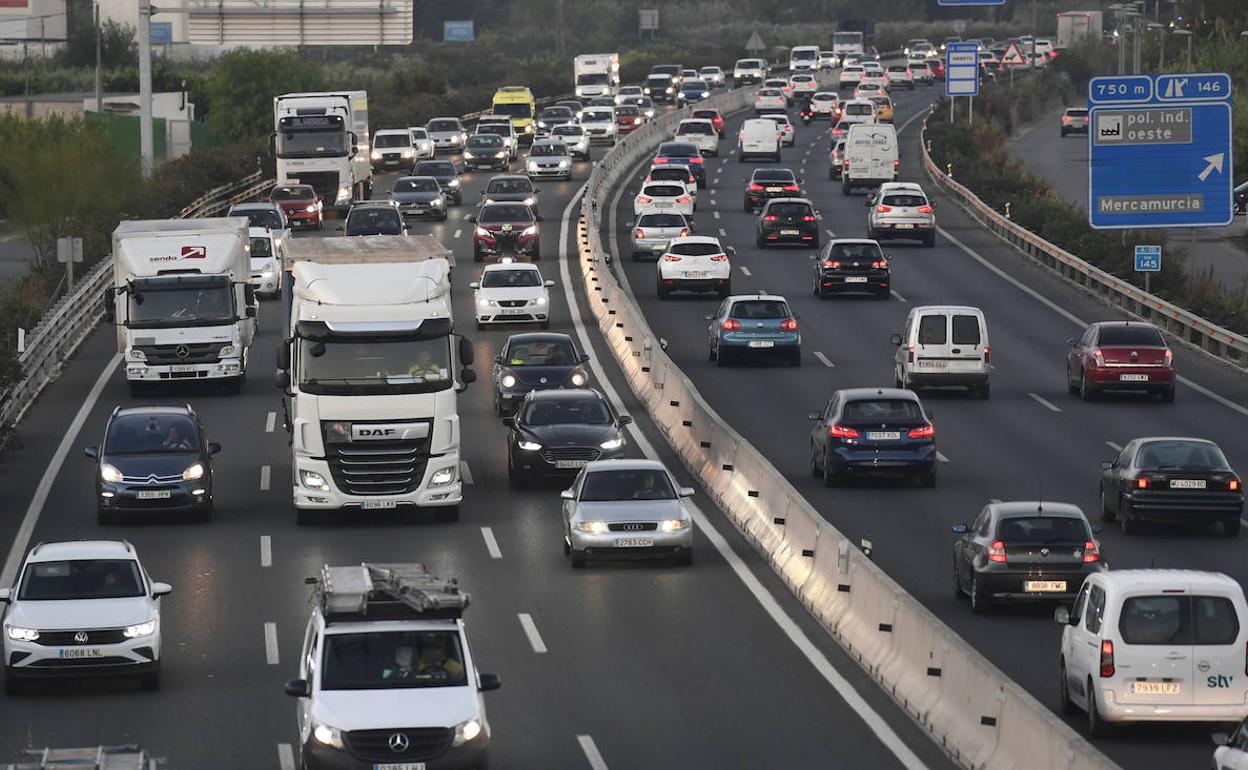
1148 259
1160 151
970 2
162 32
458 31
962 69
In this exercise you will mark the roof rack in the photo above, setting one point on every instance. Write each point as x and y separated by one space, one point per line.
126 757
387 592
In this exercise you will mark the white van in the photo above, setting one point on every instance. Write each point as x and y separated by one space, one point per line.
860 111
803 57
1153 645
871 156
943 345
759 137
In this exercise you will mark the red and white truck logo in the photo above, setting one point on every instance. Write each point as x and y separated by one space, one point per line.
194 252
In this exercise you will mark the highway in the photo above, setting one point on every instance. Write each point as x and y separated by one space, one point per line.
621 666
1030 440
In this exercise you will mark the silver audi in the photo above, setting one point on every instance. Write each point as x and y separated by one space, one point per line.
626 509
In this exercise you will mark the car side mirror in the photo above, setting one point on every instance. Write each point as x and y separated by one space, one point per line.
960 529
489 682
1061 616
468 376
340 229
213 447
1107 464
1220 739
539 218
584 359
91 451
567 494
161 589
623 420
509 422
474 285
867 203
110 309
686 492
251 311
467 355
731 250
895 339
5 594
283 355
281 380
1072 342
470 218
549 284
1096 529
298 688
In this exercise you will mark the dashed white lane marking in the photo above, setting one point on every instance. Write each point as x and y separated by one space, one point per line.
824 359
715 214
1047 404
734 152
266 551
1113 446
897 296
723 233
285 756
270 422
491 543
745 270
530 630
941 457
465 473
270 643
265 472
596 762
830 233
465 215
458 232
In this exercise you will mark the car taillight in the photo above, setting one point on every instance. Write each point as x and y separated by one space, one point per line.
996 551
694 160
910 355
671 258
1065 118
789 325
880 264
684 233
731 325
644 199
808 218
896 165
883 209
987 355
720 258
1141 482
1233 485
771 218
925 209
1099 357
792 187
659 160
923 431
832 263
684 199
1246 658
639 233
1168 359
1107 659
841 431
755 187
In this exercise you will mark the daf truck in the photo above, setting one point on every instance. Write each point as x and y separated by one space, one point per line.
596 74
182 300
321 139
371 370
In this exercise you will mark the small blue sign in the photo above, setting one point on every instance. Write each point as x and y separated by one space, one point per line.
962 69
458 32
1120 88
1148 259
162 32
1211 87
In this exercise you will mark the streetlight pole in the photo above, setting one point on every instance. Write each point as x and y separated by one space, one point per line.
99 77
1161 55
1187 33
146 143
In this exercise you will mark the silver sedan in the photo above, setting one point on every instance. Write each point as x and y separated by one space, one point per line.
626 509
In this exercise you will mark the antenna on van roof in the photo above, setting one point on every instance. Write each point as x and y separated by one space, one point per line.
1040 499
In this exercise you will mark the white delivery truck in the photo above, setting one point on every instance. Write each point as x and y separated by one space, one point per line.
182 300
845 43
371 370
1073 26
322 139
870 156
596 74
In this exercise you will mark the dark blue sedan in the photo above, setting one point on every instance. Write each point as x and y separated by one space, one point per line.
873 432
754 326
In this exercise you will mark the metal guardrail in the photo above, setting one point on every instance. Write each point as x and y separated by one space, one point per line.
1213 339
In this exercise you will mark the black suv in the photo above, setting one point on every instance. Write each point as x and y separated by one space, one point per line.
375 218
852 265
767 183
788 220
447 175
154 459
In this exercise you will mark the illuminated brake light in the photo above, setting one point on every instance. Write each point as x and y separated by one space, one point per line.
1065 118
755 187
880 264
788 325
1168 359
1099 357
791 187
771 218
896 165
684 233
1141 482
925 209
659 160
808 218
923 431
1233 485
720 258
639 233
671 258
832 263
1107 658
910 355
996 551
840 431
731 325
1091 553
644 199
684 199
987 355
883 209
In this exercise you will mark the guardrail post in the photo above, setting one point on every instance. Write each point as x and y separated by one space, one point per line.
1007 210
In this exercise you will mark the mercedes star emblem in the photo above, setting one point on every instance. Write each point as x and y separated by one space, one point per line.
81 637
182 351
398 743
1044 551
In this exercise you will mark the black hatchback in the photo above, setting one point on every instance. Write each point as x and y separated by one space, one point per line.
536 361
767 183
850 266
557 432
154 459
787 220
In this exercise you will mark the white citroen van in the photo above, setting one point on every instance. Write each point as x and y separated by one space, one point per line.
1150 645
943 345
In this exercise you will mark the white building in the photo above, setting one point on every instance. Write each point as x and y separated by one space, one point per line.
32 27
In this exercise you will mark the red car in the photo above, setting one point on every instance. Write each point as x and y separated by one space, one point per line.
1120 355
628 118
712 115
937 67
300 204
505 229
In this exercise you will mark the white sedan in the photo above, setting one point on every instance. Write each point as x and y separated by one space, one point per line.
900 76
629 94
599 123
787 135
770 100
879 81
511 292
699 132
850 76
666 197
694 263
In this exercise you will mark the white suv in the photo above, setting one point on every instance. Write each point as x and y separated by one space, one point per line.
79 609
1148 645
901 210
511 292
694 263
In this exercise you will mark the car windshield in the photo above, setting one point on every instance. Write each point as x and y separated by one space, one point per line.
1181 455
907 200
822 97
436 168
769 92
591 116
486 140
499 130
419 184
548 150
861 108
556 113
566 411
1130 335
593 79
1043 529
661 220
509 185
419 133
627 111
445 124
82 579
859 251
137 434
789 209
392 140
374 222
774 175
750 64
703 127
695 85
541 353
374 366
1077 113
679 150
568 131
292 194
696 249
261 247
669 174
500 213
883 410
705 114
510 279
663 191
658 80
514 110
393 659
759 309
1178 620
631 484
258 217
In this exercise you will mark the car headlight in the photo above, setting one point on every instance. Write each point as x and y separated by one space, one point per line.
466 731
508 380
327 735
407 153
529 231
438 202
311 209
110 473
528 446
528 129
563 164
541 124
705 94
529 201
140 629
483 233
453 183
375 154
578 378
313 480
137 355
463 137
442 477
673 525
592 527
667 90
18 634
540 301
500 154
469 155
486 303
614 443
196 471
533 166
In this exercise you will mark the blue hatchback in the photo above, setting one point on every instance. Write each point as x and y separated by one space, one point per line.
754 326
692 91
870 432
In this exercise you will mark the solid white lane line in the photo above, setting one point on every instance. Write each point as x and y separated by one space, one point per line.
897 296
940 456
270 422
596 762
266 551
21 539
745 270
270 643
1047 404
491 543
530 630
715 214
265 472
458 232
824 359
465 473
285 756
1113 446
844 689
723 233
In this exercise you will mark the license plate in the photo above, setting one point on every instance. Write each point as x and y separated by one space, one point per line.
762 344
904 227
154 494
399 766
933 364
379 505
1045 586
513 311
634 542
81 652
664 205
1155 688
570 463
775 189
790 232
884 435
856 279
1187 483
182 368
1133 378
694 274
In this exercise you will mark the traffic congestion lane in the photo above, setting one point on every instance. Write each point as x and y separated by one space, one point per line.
1010 447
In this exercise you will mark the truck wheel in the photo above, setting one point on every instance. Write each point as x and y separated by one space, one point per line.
477 256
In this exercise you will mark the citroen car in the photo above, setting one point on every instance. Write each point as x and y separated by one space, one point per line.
1171 479
1120 355
754 326
505 229
873 432
557 432
511 292
536 361
419 196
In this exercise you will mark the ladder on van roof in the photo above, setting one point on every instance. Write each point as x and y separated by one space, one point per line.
126 757
373 591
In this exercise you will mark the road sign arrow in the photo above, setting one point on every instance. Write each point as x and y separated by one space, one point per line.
1215 164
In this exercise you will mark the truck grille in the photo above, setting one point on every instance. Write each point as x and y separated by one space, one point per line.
586 453
423 744
194 353
378 467
324 182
